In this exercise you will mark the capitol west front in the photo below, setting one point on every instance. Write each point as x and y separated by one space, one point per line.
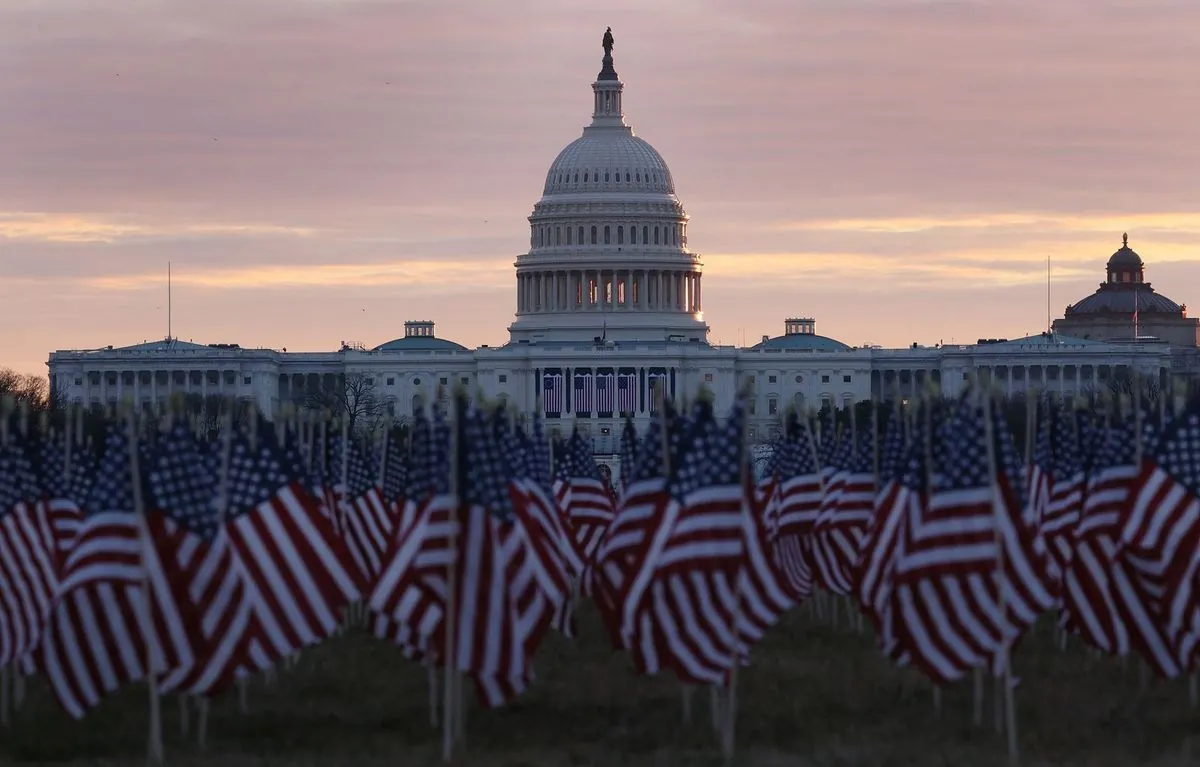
609 306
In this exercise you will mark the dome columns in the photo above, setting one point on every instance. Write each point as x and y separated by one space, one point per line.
592 290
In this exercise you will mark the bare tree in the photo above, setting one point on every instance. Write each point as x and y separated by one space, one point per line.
24 388
352 396
211 411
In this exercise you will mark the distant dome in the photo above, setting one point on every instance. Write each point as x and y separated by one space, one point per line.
609 161
419 337
1126 257
1122 301
420 344
809 342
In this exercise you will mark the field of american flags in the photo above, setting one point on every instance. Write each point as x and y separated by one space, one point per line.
874 556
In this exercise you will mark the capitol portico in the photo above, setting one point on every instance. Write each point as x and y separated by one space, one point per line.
609 307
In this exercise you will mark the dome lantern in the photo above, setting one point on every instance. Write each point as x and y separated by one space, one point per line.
1125 266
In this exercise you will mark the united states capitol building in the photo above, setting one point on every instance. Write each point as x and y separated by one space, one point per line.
609 306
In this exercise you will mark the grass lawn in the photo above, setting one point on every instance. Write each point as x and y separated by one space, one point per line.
814 695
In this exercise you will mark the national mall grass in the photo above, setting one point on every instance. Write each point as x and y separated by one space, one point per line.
814 695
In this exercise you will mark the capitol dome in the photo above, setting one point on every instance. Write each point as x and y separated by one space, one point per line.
608 255
609 161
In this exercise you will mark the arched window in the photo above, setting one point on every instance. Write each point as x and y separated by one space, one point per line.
558 235
581 235
606 177
645 235
626 177
568 235
541 236
418 404
656 235
593 235
620 235
607 233
585 175
633 235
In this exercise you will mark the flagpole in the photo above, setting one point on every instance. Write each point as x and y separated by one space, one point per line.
450 714
1010 723
154 745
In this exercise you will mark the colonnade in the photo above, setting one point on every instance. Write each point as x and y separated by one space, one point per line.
569 290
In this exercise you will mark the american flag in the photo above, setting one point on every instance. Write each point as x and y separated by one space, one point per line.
627 393
1095 579
1066 491
953 615
903 491
67 470
409 597
624 542
367 522
691 576
184 522
100 634
28 561
553 394
589 506
1163 527
606 394
297 571
584 383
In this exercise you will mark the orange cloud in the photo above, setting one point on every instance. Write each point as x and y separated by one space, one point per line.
83 228
400 273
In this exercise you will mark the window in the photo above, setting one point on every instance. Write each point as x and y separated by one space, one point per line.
620 235
645 235
370 382
464 380
846 379
78 381
593 235
445 381
656 235
568 235
708 377
581 235
503 378
246 380
824 379
772 406
750 380
966 376
558 235
391 381
772 379
416 382
752 406
799 379
607 233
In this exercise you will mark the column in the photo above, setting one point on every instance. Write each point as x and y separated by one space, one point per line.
699 294
628 290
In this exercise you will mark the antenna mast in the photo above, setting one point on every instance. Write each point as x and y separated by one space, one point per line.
1049 312
168 301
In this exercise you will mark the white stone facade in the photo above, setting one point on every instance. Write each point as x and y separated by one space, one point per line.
607 292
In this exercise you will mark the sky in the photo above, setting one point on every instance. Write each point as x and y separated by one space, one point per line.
320 171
